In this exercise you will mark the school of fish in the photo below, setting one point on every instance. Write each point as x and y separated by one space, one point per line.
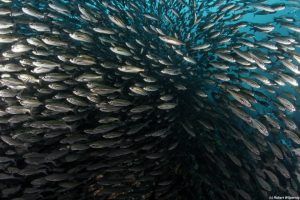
158 100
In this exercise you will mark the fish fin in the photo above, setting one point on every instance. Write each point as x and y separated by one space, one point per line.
72 127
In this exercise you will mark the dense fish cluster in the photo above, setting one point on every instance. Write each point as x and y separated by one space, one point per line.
163 99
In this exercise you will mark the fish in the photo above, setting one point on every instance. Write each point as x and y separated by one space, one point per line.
171 40
130 69
149 99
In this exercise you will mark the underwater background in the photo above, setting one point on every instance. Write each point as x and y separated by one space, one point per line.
149 99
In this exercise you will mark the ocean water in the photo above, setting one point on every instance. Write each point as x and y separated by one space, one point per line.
158 100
